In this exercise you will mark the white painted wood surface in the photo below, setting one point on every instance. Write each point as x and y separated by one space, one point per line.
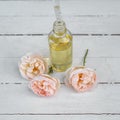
60 117
87 17
95 25
18 99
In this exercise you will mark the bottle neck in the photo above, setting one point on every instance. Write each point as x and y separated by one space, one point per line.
59 27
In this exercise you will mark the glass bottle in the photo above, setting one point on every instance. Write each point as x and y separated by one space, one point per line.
60 45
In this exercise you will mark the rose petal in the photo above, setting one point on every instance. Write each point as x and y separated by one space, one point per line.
32 65
84 82
44 85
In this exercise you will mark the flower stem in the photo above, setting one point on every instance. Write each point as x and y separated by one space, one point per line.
50 70
84 58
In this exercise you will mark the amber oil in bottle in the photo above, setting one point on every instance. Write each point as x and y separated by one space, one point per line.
60 45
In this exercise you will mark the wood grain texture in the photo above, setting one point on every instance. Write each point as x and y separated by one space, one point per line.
99 46
24 26
106 69
60 117
85 17
68 7
19 99
102 57
77 25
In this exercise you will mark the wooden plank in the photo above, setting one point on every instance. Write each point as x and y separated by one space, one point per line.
100 57
60 117
18 99
98 18
106 69
99 46
44 24
79 7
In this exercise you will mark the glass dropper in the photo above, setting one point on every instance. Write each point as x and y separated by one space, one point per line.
57 10
59 26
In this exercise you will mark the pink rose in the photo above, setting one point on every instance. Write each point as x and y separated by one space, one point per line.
32 65
44 85
81 78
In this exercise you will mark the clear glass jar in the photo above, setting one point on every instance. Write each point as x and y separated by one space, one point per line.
60 45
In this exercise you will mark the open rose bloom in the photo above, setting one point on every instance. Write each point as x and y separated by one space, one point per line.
81 78
32 65
44 85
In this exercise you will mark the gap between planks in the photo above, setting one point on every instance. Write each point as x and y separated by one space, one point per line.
81 34
104 83
83 16
59 113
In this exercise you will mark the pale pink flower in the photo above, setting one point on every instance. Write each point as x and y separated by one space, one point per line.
32 65
81 78
44 85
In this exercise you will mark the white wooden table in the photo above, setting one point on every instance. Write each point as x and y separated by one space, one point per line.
24 26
